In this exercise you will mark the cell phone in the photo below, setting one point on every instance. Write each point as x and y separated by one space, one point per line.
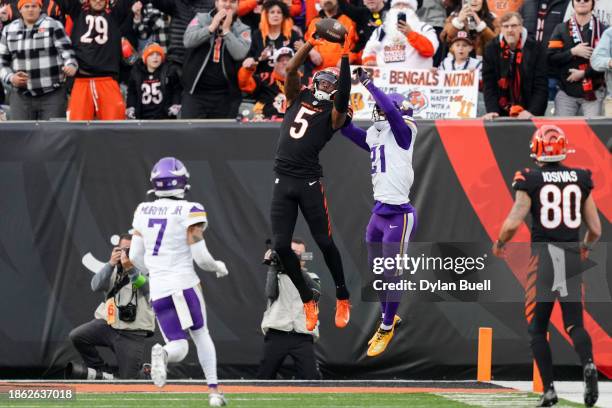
401 17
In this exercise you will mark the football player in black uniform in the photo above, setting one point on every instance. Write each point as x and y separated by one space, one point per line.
559 200
311 119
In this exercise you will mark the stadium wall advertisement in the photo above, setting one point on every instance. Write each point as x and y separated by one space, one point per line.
67 188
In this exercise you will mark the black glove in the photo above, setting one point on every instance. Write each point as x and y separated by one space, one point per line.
362 75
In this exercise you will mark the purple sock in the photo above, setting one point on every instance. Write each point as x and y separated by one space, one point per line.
390 310
383 307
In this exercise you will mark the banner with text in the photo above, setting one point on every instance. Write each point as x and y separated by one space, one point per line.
431 94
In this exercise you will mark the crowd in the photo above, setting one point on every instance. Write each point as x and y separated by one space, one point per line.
164 59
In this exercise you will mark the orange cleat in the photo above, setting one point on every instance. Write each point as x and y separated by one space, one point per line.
311 310
343 312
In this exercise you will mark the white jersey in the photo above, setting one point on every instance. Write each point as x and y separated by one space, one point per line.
392 173
163 225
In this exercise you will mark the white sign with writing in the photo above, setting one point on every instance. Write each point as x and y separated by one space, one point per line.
431 94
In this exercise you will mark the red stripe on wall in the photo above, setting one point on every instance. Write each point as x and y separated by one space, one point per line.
590 153
467 145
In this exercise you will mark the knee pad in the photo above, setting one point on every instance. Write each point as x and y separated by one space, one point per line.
177 350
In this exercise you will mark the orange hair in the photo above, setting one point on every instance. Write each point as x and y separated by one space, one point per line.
264 27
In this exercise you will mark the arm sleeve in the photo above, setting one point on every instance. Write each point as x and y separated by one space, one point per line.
402 132
132 93
557 55
238 42
491 95
5 58
539 98
64 46
421 43
202 256
101 280
341 100
296 8
521 181
196 33
602 54
246 80
355 135
176 88
137 252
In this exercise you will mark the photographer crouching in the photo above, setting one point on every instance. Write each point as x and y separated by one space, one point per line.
122 321
284 321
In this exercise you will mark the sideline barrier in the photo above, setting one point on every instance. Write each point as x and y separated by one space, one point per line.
66 188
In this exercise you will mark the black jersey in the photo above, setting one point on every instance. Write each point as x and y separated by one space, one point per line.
557 196
96 36
306 128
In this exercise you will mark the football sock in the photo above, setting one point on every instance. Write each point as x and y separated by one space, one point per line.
582 345
207 354
390 310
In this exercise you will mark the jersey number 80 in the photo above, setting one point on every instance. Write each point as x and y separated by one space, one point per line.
557 206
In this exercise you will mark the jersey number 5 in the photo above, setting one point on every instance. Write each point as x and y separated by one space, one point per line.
557 206
97 30
301 122
162 222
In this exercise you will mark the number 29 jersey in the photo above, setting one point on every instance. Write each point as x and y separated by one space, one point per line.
557 196
163 225
306 128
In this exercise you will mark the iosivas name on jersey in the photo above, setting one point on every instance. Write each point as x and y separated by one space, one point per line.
392 173
163 225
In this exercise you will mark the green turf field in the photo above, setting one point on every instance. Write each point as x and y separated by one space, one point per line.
183 400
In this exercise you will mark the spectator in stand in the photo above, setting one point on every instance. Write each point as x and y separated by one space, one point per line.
402 43
35 58
473 16
432 12
514 72
377 10
327 54
216 44
268 89
602 10
181 12
569 52
601 61
499 8
250 11
153 91
151 25
275 32
96 37
9 11
540 19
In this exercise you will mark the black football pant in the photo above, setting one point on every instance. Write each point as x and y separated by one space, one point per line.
539 305
129 347
308 195
278 345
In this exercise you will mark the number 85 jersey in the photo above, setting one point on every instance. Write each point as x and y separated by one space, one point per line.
306 128
163 225
557 196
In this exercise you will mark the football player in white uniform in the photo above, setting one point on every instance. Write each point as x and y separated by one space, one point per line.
390 141
168 238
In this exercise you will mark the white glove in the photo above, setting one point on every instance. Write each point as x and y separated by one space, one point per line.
174 110
221 269
130 113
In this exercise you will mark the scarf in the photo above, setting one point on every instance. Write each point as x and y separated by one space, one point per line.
542 13
574 29
510 76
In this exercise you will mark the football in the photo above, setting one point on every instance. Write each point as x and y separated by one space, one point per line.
331 30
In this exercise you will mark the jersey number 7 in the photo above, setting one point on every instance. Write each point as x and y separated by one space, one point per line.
162 222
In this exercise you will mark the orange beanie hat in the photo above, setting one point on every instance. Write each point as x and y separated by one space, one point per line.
150 49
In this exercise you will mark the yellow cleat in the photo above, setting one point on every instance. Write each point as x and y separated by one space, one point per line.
396 322
381 341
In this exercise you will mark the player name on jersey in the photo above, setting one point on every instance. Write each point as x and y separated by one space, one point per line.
560 177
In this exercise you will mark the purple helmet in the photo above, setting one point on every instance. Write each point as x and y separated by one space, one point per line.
169 178
400 103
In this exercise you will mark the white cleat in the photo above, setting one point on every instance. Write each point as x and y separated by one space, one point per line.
159 361
216 399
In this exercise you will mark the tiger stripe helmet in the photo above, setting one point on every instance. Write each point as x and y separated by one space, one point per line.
548 144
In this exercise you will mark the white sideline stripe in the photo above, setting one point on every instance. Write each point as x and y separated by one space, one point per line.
523 400
568 390
241 381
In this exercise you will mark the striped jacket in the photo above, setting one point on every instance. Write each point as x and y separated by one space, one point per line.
41 52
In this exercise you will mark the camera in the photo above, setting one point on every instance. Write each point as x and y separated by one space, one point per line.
127 313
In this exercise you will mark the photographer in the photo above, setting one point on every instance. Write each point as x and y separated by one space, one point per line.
122 322
284 322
